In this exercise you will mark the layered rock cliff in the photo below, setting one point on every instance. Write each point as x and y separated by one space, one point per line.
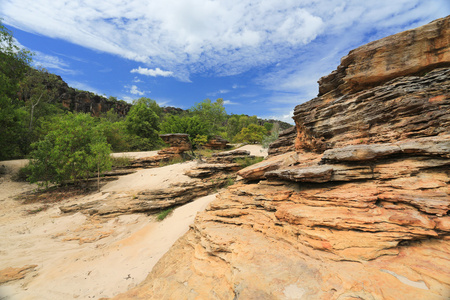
360 209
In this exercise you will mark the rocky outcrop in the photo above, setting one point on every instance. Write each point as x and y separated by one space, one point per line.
81 101
360 209
222 163
179 143
404 108
216 143
284 143
412 52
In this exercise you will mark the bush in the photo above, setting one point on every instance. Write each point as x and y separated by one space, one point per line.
143 122
72 151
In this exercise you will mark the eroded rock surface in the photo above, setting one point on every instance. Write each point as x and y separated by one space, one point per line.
284 143
360 209
410 52
217 143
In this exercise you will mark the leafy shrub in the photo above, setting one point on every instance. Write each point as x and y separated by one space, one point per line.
73 150
143 122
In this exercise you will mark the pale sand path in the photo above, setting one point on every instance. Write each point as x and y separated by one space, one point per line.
131 246
135 154
256 150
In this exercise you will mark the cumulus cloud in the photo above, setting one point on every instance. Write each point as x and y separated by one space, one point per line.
187 35
152 72
299 41
133 89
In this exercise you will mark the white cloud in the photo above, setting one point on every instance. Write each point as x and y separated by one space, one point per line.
133 89
222 38
227 37
52 62
152 72
228 102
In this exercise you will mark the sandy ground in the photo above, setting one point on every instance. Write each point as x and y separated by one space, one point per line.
80 257
256 150
135 154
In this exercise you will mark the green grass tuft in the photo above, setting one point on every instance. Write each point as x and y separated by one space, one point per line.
162 215
120 162
248 161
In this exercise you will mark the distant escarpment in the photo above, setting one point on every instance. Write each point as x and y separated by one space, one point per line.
86 102
352 204
76 100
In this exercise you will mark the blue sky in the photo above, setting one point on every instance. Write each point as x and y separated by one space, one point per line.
262 57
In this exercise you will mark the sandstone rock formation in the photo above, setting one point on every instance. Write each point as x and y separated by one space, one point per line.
217 143
360 209
284 143
220 164
412 52
179 143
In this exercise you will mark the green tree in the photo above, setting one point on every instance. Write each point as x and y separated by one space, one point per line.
116 135
14 62
212 113
143 122
151 104
235 124
111 116
194 126
251 134
72 150
39 93
100 156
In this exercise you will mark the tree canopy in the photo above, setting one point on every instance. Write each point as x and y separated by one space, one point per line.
212 113
72 151
14 63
